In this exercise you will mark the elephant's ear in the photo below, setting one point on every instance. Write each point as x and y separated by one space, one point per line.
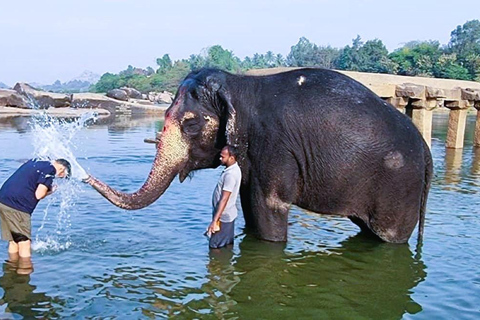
226 109
230 114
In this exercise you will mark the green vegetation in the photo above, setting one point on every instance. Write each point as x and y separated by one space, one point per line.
459 59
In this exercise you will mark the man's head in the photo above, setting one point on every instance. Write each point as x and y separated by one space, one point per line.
63 168
228 156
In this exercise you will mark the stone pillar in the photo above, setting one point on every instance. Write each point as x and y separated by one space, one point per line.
473 96
398 102
407 93
476 139
421 102
456 123
422 114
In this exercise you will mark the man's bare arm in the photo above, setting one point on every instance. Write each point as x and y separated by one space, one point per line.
41 192
219 210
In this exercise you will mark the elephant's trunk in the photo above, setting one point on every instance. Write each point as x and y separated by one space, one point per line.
172 153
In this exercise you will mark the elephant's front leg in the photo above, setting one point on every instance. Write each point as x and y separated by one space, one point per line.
270 213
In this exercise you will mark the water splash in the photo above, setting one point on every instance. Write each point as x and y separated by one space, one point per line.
53 139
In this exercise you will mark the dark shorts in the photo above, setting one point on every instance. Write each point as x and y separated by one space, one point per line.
16 225
224 236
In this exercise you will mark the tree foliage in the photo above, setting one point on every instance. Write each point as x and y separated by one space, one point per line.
460 59
465 43
307 54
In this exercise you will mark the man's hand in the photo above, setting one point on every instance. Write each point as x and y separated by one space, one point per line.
213 227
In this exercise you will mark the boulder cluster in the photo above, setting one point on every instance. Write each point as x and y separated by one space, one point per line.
126 94
25 96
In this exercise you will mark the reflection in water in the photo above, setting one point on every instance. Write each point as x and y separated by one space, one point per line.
19 296
361 279
20 123
453 165
476 162
222 279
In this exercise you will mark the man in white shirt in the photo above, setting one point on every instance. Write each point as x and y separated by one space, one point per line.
221 229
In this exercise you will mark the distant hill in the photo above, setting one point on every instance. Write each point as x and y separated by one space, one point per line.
3 86
66 87
88 76
80 83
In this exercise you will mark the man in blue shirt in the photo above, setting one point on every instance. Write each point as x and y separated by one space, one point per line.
19 196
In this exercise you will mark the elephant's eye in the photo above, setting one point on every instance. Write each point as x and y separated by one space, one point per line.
192 126
194 94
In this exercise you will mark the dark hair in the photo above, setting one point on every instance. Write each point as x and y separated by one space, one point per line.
67 166
233 151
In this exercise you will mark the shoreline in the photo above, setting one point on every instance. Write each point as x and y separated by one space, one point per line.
77 112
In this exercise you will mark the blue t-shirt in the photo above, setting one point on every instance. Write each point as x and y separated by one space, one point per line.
18 192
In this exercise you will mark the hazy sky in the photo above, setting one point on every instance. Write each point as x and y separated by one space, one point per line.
43 41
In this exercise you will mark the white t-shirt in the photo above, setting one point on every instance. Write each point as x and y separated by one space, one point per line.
229 181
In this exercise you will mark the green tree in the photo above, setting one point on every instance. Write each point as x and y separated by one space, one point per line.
302 54
374 58
352 58
308 54
447 67
217 57
196 62
417 58
107 82
247 64
259 61
465 43
465 40
280 61
164 64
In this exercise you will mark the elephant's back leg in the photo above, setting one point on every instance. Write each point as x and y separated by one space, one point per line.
397 207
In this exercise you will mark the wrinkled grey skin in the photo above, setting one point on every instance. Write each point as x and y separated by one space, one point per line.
309 137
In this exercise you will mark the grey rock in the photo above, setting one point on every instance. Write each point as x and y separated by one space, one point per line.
132 93
118 94
11 98
41 99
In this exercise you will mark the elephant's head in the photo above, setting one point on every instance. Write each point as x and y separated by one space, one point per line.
199 122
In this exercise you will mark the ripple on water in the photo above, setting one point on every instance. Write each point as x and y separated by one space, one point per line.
155 262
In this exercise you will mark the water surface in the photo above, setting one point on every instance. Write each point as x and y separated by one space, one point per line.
94 260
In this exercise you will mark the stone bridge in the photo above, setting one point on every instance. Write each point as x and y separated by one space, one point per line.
418 97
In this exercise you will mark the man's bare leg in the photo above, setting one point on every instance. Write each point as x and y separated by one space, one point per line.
12 247
25 266
24 249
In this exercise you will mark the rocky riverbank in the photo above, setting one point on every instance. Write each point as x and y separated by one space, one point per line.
26 100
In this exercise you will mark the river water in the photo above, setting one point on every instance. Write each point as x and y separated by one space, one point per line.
93 260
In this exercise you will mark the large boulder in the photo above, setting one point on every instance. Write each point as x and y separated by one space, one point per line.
118 94
42 99
94 100
164 97
132 93
11 98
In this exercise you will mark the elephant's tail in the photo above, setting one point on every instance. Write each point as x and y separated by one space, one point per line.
426 189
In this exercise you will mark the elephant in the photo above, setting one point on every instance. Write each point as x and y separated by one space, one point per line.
313 138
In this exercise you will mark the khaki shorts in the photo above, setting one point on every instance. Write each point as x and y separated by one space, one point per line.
15 221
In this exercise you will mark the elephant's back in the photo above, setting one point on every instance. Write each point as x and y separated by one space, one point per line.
330 105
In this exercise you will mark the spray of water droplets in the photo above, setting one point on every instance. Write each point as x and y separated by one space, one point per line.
54 139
